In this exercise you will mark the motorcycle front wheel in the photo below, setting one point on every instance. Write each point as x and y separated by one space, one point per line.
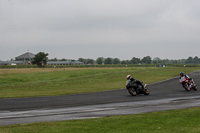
186 87
132 91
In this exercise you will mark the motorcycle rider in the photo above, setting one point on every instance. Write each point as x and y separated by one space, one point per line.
187 77
184 75
129 79
132 82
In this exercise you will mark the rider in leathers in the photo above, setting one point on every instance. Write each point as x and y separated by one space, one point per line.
132 82
184 75
187 77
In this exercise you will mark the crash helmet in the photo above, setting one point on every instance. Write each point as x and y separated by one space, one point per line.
181 74
128 76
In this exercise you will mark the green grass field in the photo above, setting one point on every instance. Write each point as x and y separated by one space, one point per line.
61 81
34 82
173 121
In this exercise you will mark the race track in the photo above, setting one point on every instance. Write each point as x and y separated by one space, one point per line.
165 95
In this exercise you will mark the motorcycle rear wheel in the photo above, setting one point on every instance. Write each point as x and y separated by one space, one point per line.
146 91
195 88
132 91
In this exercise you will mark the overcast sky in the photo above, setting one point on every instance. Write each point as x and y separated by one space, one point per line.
72 29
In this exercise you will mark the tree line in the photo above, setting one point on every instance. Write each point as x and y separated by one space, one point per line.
135 60
41 59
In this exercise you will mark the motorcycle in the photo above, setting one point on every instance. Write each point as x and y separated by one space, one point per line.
139 88
188 84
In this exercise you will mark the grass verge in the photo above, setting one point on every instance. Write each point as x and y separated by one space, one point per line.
34 82
173 121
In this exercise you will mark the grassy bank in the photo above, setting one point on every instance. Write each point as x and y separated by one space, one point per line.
33 82
174 121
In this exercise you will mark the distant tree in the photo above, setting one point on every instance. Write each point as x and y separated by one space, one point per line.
63 59
54 59
89 61
82 60
166 61
135 60
125 62
195 60
157 60
40 59
108 61
175 61
146 60
182 61
116 61
189 60
198 61
99 60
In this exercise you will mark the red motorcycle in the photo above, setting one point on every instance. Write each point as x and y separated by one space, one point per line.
188 84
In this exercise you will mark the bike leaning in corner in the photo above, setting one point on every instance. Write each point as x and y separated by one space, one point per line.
135 87
188 84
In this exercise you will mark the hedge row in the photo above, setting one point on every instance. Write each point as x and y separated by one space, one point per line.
106 65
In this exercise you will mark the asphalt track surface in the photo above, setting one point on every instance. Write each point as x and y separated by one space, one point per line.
164 95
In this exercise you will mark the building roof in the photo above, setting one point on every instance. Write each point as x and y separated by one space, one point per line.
58 62
11 62
64 62
76 62
26 55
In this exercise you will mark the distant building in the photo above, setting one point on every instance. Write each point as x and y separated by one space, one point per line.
12 63
72 62
27 57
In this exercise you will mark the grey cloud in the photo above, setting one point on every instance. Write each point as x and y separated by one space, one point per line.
106 28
